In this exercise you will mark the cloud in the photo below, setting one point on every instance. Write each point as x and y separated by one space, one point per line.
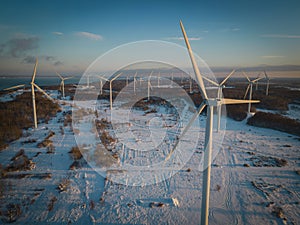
57 63
52 60
18 47
272 56
181 38
29 59
48 57
280 36
231 29
57 33
91 36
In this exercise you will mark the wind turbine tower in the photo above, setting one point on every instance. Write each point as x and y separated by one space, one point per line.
210 103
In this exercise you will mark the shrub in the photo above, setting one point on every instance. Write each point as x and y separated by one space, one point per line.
276 122
75 153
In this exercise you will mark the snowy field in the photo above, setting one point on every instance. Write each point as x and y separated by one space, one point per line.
255 174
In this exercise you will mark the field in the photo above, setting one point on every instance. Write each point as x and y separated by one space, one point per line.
76 169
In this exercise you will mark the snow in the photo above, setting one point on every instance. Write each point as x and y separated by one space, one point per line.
239 194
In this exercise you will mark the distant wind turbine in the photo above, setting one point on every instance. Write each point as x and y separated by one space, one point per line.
110 89
134 82
62 83
219 95
191 90
101 78
210 103
149 85
158 80
250 85
268 82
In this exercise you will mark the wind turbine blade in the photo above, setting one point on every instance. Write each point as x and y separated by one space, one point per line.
14 87
59 75
41 90
67 78
211 81
104 79
202 106
247 91
266 75
150 74
116 76
34 70
195 66
226 78
246 76
257 79
228 101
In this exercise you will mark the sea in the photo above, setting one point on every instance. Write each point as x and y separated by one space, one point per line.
9 81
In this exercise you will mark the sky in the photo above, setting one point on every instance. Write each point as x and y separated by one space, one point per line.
67 36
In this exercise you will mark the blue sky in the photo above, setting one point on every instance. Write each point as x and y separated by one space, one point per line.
67 36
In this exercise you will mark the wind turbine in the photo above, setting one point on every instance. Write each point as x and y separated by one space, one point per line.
268 83
210 103
110 89
101 83
219 95
62 83
149 85
33 86
134 82
250 85
191 91
158 79
88 81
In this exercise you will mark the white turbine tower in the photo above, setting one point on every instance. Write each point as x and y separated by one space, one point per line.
134 82
88 81
219 95
158 79
101 83
250 86
62 83
110 89
149 85
191 89
268 82
210 103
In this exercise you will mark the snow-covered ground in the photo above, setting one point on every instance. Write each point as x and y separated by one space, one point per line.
241 191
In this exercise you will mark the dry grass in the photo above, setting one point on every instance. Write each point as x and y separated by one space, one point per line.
11 213
18 115
51 204
63 185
